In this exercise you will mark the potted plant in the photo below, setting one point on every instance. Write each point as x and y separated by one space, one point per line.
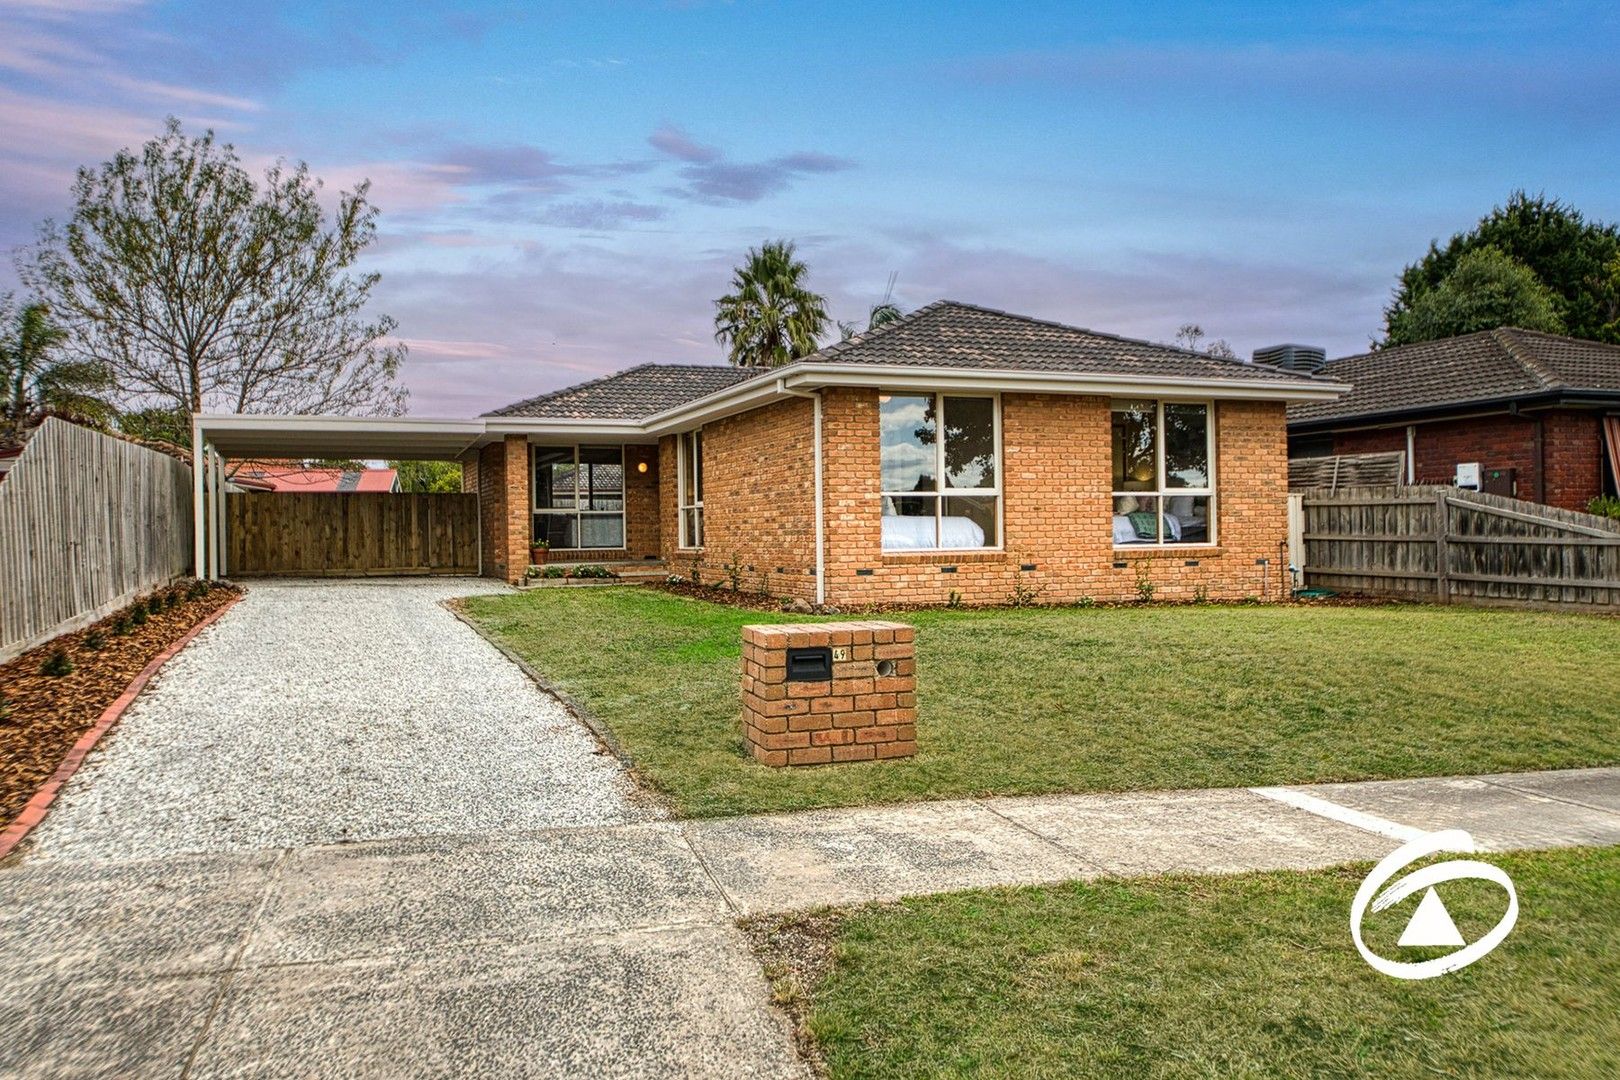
537 551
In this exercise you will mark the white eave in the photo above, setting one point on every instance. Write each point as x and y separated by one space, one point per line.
239 436
811 376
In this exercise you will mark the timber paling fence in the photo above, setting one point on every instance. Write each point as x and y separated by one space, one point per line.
1448 545
344 534
87 523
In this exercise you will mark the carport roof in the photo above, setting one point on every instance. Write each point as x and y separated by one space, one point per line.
239 436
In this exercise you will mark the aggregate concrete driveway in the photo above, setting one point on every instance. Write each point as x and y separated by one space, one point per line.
321 712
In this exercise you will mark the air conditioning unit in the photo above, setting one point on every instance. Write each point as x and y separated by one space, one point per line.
1308 359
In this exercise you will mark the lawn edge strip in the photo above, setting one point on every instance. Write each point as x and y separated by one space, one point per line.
34 810
578 709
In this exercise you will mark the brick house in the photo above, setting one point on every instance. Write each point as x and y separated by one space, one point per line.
1539 413
959 452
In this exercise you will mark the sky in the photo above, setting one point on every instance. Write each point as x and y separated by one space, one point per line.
565 187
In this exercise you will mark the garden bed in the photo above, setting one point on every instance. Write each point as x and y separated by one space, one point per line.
44 714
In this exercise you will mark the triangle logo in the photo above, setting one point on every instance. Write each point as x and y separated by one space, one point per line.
1431 924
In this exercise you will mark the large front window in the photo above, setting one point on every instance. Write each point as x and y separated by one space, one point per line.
689 477
1164 479
941 471
579 496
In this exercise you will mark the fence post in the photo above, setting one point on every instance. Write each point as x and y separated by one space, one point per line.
1442 549
1296 539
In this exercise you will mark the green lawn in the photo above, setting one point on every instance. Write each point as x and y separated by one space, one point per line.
1253 975
1068 699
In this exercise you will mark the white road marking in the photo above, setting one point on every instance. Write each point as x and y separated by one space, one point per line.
1343 814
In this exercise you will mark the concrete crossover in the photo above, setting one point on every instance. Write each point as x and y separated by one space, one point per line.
607 950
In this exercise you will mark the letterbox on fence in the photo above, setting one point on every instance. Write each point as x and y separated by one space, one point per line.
815 693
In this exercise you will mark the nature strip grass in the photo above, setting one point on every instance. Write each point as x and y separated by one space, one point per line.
33 812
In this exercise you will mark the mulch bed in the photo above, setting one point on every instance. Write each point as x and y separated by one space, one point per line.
42 716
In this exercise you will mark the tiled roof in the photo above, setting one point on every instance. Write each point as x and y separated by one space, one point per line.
632 394
1491 365
948 333
942 334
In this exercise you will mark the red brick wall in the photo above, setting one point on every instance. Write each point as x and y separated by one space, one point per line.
759 506
502 482
1571 449
758 501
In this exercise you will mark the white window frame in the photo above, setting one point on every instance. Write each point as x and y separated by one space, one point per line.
1164 493
535 509
942 492
689 444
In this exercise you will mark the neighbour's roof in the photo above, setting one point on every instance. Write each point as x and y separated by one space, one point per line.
944 334
1491 365
631 394
286 476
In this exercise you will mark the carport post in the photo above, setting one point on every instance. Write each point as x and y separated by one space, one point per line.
220 570
198 528
213 514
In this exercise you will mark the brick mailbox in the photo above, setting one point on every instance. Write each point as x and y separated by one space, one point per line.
821 692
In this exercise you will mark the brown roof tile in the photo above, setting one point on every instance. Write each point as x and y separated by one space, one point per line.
1491 365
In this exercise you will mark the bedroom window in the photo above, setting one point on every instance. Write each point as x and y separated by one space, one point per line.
689 481
579 496
1164 479
941 471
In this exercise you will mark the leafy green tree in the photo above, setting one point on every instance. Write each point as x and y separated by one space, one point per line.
1573 257
1486 289
199 288
769 318
426 476
157 424
37 378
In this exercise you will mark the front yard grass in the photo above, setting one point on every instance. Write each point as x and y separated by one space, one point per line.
1253 975
1036 700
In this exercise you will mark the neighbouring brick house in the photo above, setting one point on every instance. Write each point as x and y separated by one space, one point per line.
957 452
1538 413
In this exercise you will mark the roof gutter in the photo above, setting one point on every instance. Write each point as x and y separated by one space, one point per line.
808 376
1459 410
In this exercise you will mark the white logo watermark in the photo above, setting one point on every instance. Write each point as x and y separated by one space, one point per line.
1431 923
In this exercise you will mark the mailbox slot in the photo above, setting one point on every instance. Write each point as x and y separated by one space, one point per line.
809 665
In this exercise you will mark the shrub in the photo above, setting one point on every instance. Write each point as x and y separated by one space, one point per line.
553 572
121 625
591 570
198 589
95 641
1604 506
1144 586
955 600
57 664
137 614
1084 602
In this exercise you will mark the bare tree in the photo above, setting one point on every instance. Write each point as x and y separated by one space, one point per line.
1190 335
198 289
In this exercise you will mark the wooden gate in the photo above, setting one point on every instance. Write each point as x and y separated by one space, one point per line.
345 534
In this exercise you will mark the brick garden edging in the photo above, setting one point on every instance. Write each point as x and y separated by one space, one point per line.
33 812
865 710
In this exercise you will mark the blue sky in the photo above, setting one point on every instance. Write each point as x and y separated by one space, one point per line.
565 187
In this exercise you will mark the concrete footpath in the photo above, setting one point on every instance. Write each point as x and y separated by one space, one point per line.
608 950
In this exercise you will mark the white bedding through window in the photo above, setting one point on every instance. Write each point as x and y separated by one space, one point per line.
905 533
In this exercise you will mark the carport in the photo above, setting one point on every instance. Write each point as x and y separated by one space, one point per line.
327 518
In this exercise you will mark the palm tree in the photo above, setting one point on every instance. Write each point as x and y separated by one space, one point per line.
769 318
35 381
883 312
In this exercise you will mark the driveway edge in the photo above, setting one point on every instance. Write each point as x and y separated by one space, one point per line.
603 734
33 812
